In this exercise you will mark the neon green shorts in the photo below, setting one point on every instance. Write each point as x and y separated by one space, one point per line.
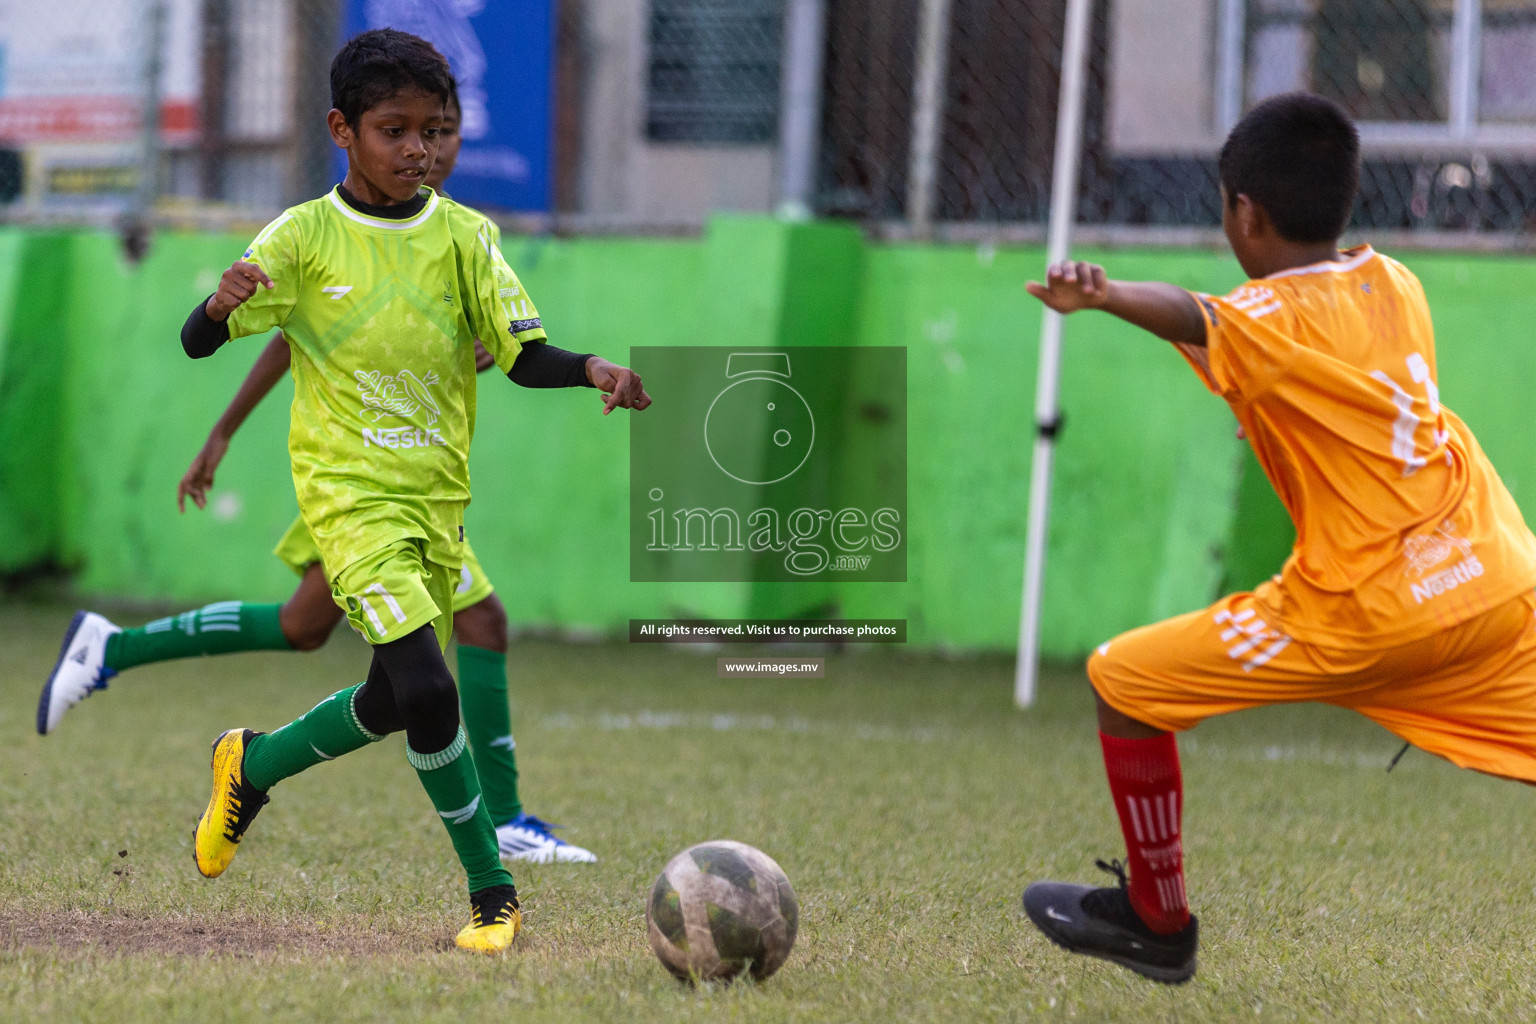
396 591
298 551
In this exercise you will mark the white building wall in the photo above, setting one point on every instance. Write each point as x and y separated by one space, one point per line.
625 177
1161 73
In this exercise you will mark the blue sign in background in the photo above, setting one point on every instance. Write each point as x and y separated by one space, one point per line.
501 52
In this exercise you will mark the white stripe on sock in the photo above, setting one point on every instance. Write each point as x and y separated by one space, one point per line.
1130 802
1146 810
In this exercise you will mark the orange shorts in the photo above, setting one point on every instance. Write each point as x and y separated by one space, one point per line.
1467 693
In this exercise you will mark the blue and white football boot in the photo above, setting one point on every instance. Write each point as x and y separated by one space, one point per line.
81 669
527 838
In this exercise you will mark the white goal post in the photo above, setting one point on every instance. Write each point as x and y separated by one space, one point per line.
1069 130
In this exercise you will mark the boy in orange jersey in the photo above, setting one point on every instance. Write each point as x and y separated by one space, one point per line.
1408 595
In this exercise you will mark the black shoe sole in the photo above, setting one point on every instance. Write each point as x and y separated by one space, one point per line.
42 701
1161 975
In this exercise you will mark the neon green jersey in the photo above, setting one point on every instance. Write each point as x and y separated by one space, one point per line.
381 317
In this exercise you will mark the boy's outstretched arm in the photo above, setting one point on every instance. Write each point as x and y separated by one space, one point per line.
1165 310
208 327
270 367
542 365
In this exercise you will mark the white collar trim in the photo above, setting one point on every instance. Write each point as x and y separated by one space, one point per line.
1365 254
380 222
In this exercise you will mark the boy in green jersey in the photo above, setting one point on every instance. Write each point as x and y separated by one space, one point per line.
96 649
381 288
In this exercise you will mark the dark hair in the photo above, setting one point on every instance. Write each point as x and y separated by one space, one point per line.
1298 156
376 65
453 97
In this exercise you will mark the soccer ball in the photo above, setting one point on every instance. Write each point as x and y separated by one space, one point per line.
720 908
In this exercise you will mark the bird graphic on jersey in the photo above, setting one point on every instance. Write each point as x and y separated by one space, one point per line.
401 395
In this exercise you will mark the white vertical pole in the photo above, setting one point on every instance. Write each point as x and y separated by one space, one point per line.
805 24
1069 130
1465 38
927 113
1229 64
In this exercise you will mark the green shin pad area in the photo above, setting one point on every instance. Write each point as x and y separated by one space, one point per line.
488 722
323 733
225 627
449 778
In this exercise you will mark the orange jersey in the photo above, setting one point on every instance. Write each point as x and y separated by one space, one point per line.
1403 528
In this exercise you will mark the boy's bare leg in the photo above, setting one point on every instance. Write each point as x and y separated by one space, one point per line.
310 616
483 625
1122 726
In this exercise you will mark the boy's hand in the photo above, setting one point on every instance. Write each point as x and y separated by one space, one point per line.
620 385
483 359
1072 285
237 284
200 474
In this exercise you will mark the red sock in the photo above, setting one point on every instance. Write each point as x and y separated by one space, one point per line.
1148 790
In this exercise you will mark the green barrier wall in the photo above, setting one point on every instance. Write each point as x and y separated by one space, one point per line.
137 411
1145 468
34 275
1157 506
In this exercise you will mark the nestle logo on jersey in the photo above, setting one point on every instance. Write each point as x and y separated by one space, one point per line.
401 437
1464 571
1425 551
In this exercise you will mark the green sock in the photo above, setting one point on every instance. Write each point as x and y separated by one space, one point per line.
488 720
448 776
323 733
222 628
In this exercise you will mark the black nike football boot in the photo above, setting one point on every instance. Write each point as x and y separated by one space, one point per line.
1102 923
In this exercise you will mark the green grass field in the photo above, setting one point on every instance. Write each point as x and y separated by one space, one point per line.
906 799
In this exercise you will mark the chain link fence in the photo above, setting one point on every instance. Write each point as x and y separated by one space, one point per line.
911 116
998 63
1444 91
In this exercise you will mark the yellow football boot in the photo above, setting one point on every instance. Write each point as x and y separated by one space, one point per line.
231 808
494 920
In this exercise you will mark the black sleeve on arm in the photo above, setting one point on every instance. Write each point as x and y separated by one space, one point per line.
541 365
202 335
